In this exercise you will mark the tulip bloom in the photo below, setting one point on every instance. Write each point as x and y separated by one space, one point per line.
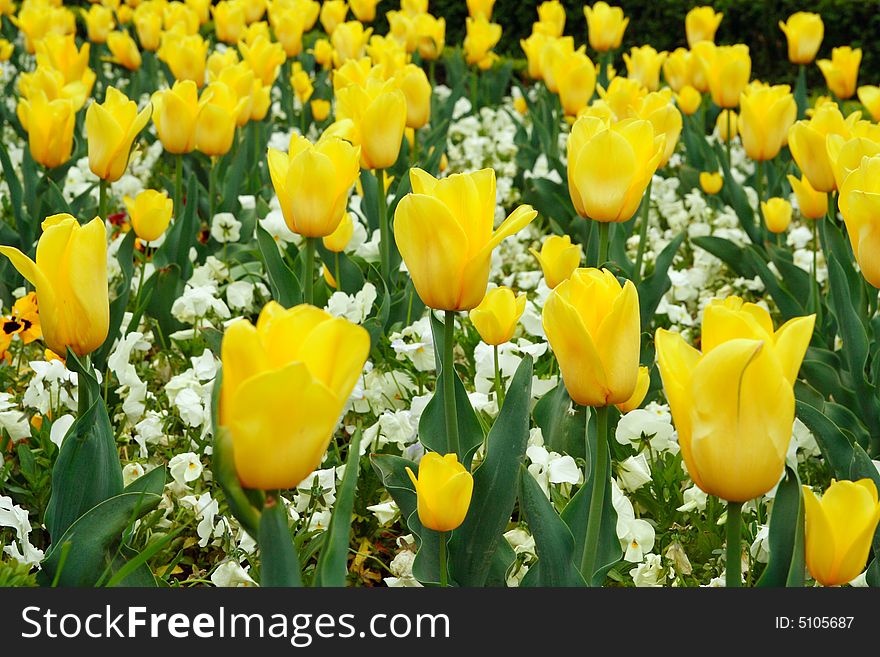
733 404
869 96
349 41
70 276
59 52
845 155
533 47
727 69
215 126
49 125
444 490
688 100
812 204
229 21
377 114
842 71
766 113
111 128
860 207
592 325
313 183
605 26
638 396
777 214
150 213
657 108
700 24
99 23
339 238
711 183
481 37
643 64
264 57
414 84
185 56
333 13
480 8
727 125
320 109
443 230
430 36
175 112
124 50
364 10
807 142
575 78
839 529
288 26
551 16
678 67
285 384
496 317
558 259
610 165
804 32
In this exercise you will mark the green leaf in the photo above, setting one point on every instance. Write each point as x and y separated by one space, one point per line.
563 431
347 274
789 306
181 236
163 288
786 535
16 201
285 286
737 198
836 449
333 562
849 325
474 543
279 563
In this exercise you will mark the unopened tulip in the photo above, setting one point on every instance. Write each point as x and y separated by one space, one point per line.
430 36
320 109
349 41
860 207
592 325
869 96
377 113
839 529
480 8
551 15
443 489
124 50
313 183
657 108
688 100
727 70
179 17
51 83
6 50
229 20
700 24
333 13
496 317
339 238
842 71
678 68
610 165
777 214
807 142
264 57
240 78
804 32
49 124
845 155
443 230
643 64
175 113
812 204
727 125
150 213
70 276
638 396
553 54
711 183
575 78
37 21
111 128
364 10
402 28
414 84
605 26
202 8
733 404
558 259
185 56
765 115
533 47
215 127
60 53
285 384
288 26
481 37
148 25
99 23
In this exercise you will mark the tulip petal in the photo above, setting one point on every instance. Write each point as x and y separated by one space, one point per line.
791 342
820 544
618 344
243 357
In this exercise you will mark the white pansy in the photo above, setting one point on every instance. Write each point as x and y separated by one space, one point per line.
760 547
415 343
230 574
59 429
205 509
552 468
16 518
12 419
385 512
694 499
650 573
185 468
401 569
225 228
636 535
355 307
131 472
240 295
633 472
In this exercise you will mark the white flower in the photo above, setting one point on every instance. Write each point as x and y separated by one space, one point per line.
231 574
225 228
59 429
760 548
131 472
694 498
552 468
650 573
416 344
401 568
240 295
185 468
653 422
196 302
395 427
634 472
636 535
355 308
14 517
205 508
12 419
386 512
521 541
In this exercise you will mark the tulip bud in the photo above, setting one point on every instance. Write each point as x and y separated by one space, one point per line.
349 41
320 109
605 26
575 78
726 125
150 213
49 125
288 26
175 112
678 68
302 351
804 32
70 276
496 317
99 23
430 35
413 82
480 8
869 96
700 24
643 64
124 50
447 246
111 128
860 209
765 115
812 204
339 238
711 183
807 141
185 56
364 10
727 70
638 396
444 490
6 50
688 100
839 529
229 21
148 25
777 214
481 37
215 126
592 325
842 71
333 13
551 17
264 57
378 113
558 259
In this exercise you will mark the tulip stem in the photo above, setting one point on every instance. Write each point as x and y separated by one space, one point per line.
733 565
815 286
384 233
499 386
102 199
444 577
211 191
729 139
178 185
448 373
308 270
603 242
598 465
643 233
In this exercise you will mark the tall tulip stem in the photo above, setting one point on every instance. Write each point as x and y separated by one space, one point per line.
759 188
212 184
448 373
384 232
444 576
643 233
733 564
499 386
308 271
603 242
815 286
102 199
729 139
178 185
598 465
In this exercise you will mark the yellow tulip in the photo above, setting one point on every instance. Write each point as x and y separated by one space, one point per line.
592 325
643 64
869 96
430 35
229 20
845 155
301 83
623 98
6 50
124 50
727 125
842 71
202 9
254 10
339 238
533 47
657 108
610 165
185 56
49 124
320 109
175 113
51 82
414 84
313 182
364 10
638 396
99 23
804 32
443 230
264 57
727 70
443 489
553 52
678 68
70 276
480 8
323 53
414 7
178 17
387 54
812 204
37 22
240 78
520 105
551 16
859 203
711 183
688 100
111 128
261 100
349 41
777 214
308 9
219 108
496 317
481 37
765 115
148 25
301 355
377 114
150 213
288 26
700 24
733 404
575 79
839 528
60 53
402 28
807 142
605 26
333 13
